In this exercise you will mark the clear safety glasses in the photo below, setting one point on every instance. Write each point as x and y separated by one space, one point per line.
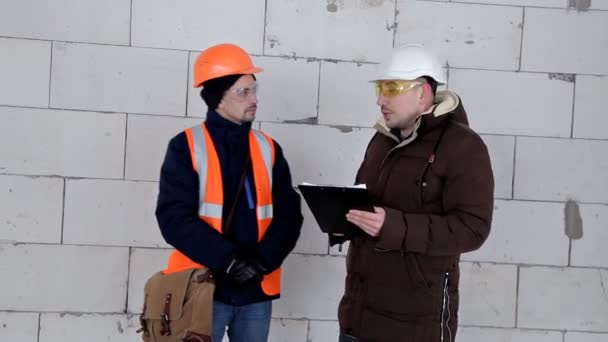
244 92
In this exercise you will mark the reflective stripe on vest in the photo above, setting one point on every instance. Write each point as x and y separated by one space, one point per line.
205 162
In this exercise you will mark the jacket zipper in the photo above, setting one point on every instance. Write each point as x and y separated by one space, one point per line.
445 311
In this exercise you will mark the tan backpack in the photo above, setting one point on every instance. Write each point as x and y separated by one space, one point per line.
178 307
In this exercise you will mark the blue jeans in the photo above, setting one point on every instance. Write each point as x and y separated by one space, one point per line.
247 323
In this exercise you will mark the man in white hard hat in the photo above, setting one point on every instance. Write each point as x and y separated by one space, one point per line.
431 181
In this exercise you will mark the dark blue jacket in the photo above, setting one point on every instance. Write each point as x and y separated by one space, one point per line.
177 209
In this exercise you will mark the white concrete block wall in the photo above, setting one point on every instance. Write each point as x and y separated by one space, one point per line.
63 278
508 335
487 295
465 35
88 327
523 105
61 142
310 159
111 213
590 250
324 331
589 112
293 98
30 63
526 233
19 326
91 92
573 45
502 153
340 84
193 24
338 30
561 169
119 79
147 140
571 299
288 330
31 219
102 22
585 337
300 287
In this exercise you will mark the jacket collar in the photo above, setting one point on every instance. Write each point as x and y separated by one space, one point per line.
216 121
447 104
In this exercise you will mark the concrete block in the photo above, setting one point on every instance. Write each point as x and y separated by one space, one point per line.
301 274
88 327
66 143
288 89
502 151
590 119
339 30
331 155
25 72
119 79
144 263
463 35
346 95
147 140
19 326
288 330
471 334
584 337
196 25
73 278
534 3
565 50
561 169
527 103
487 295
68 20
32 209
525 232
335 250
324 331
111 212
563 298
590 249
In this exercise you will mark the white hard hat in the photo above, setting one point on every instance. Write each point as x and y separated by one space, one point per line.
410 62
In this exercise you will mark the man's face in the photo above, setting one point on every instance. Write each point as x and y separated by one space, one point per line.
240 102
400 102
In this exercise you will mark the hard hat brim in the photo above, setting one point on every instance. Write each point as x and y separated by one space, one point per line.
248 71
406 76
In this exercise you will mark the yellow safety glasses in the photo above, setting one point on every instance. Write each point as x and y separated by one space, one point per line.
392 88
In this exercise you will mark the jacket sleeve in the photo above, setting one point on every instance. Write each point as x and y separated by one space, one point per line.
283 232
468 205
177 211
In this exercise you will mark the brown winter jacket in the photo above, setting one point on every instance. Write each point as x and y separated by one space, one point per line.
403 285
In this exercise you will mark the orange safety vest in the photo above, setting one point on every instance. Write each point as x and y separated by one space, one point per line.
205 162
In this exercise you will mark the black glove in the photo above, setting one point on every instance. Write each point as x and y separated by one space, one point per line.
246 270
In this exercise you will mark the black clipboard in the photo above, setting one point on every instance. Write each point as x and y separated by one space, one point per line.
329 205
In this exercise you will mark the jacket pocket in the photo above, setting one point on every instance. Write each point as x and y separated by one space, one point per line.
415 272
430 187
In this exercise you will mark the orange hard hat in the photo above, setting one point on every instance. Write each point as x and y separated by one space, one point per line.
222 60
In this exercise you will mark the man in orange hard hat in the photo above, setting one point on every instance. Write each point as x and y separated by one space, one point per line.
226 199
